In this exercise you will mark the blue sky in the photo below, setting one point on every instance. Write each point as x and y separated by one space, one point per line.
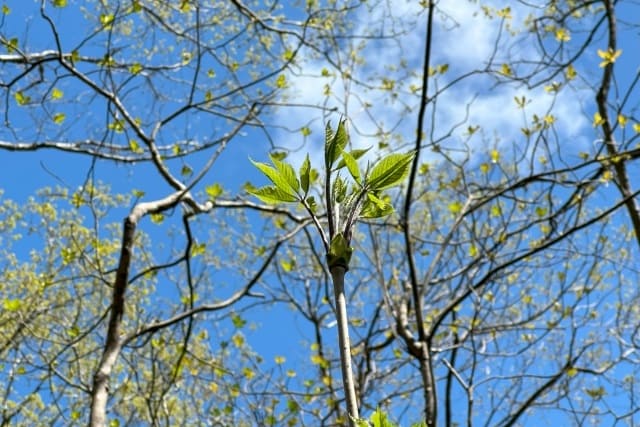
464 39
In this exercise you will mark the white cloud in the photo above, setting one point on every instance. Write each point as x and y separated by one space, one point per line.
464 39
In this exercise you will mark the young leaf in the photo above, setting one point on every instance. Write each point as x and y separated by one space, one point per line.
356 154
328 140
334 143
213 190
389 171
287 172
305 170
311 201
280 181
339 252
380 419
272 195
339 190
352 166
375 207
58 118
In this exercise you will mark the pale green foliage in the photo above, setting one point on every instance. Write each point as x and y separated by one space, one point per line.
363 199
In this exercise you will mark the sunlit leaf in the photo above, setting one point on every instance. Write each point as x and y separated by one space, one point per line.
305 170
272 195
214 190
11 44
287 173
356 154
58 118
334 143
608 56
135 68
352 166
12 304
21 98
375 207
287 265
56 93
59 3
281 182
135 147
106 20
380 419
198 249
596 393
157 218
390 171
455 207
237 320
562 35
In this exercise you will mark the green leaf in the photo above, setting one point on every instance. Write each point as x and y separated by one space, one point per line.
287 265
339 252
334 143
58 118
237 321
21 98
157 218
12 304
339 190
277 178
596 393
352 166
287 172
135 147
380 419
278 155
56 94
135 68
73 331
390 171
455 207
59 3
186 170
305 170
311 201
213 191
356 154
375 207
272 195
12 44
105 19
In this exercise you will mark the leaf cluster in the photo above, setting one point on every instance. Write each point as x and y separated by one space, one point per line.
346 202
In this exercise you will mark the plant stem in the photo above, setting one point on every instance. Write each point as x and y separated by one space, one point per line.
337 274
